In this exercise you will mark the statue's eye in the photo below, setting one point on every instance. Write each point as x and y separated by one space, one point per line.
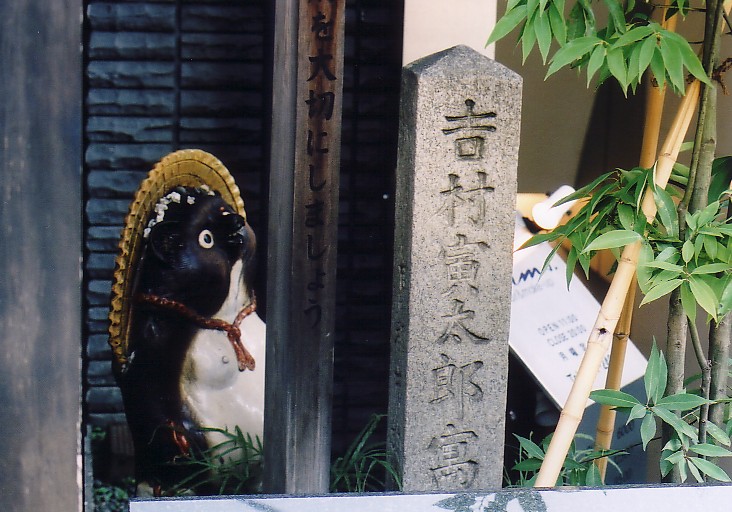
206 239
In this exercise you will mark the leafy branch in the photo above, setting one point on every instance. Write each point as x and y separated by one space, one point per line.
624 49
685 451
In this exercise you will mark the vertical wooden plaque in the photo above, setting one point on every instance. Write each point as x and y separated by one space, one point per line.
305 157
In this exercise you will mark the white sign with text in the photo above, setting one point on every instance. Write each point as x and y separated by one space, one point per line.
550 324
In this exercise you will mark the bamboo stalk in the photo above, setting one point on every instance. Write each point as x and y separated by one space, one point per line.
607 319
655 97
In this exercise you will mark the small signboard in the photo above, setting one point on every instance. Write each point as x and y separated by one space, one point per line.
550 323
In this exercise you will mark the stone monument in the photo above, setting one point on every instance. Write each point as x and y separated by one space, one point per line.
455 201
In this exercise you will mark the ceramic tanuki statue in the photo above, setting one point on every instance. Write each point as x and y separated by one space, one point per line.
191 362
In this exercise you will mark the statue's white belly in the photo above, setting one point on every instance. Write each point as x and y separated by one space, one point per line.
217 394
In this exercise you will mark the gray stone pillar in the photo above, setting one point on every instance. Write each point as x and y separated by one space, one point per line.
40 255
456 192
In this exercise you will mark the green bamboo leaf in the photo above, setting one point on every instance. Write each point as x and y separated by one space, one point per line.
688 302
633 64
626 214
670 253
576 26
711 268
718 434
721 177
542 7
593 477
675 457
513 3
597 59
585 190
656 374
647 429
637 412
617 15
613 239
704 295
673 63
657 67
614 398
682 469
664 464
540 238
558 25
687 251
667 211
710 450
725 303
698 246
634 35
682 402
571 263
710 469
694 470
530 447
711 246
532 6
528 38
617 66
584 261
708 214
681 427
543 35
665 265
570 52
528 465
646 53
643 272
507 23
661 289
688 57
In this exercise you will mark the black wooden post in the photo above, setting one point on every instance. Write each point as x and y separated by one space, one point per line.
305 148
40 255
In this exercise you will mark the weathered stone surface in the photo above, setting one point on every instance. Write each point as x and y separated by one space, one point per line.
153 17
131 45
130 102
131 74
456 187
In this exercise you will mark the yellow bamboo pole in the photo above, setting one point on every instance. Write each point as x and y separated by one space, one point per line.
655 97
607 319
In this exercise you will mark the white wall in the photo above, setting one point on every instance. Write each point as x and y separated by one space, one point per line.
432 26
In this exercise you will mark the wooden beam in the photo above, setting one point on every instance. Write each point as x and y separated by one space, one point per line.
305 157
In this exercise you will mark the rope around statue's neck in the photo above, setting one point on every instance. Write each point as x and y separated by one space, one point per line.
233 332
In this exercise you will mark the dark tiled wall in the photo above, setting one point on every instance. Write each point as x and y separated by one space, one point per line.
164 75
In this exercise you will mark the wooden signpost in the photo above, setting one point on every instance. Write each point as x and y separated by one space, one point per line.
305 156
